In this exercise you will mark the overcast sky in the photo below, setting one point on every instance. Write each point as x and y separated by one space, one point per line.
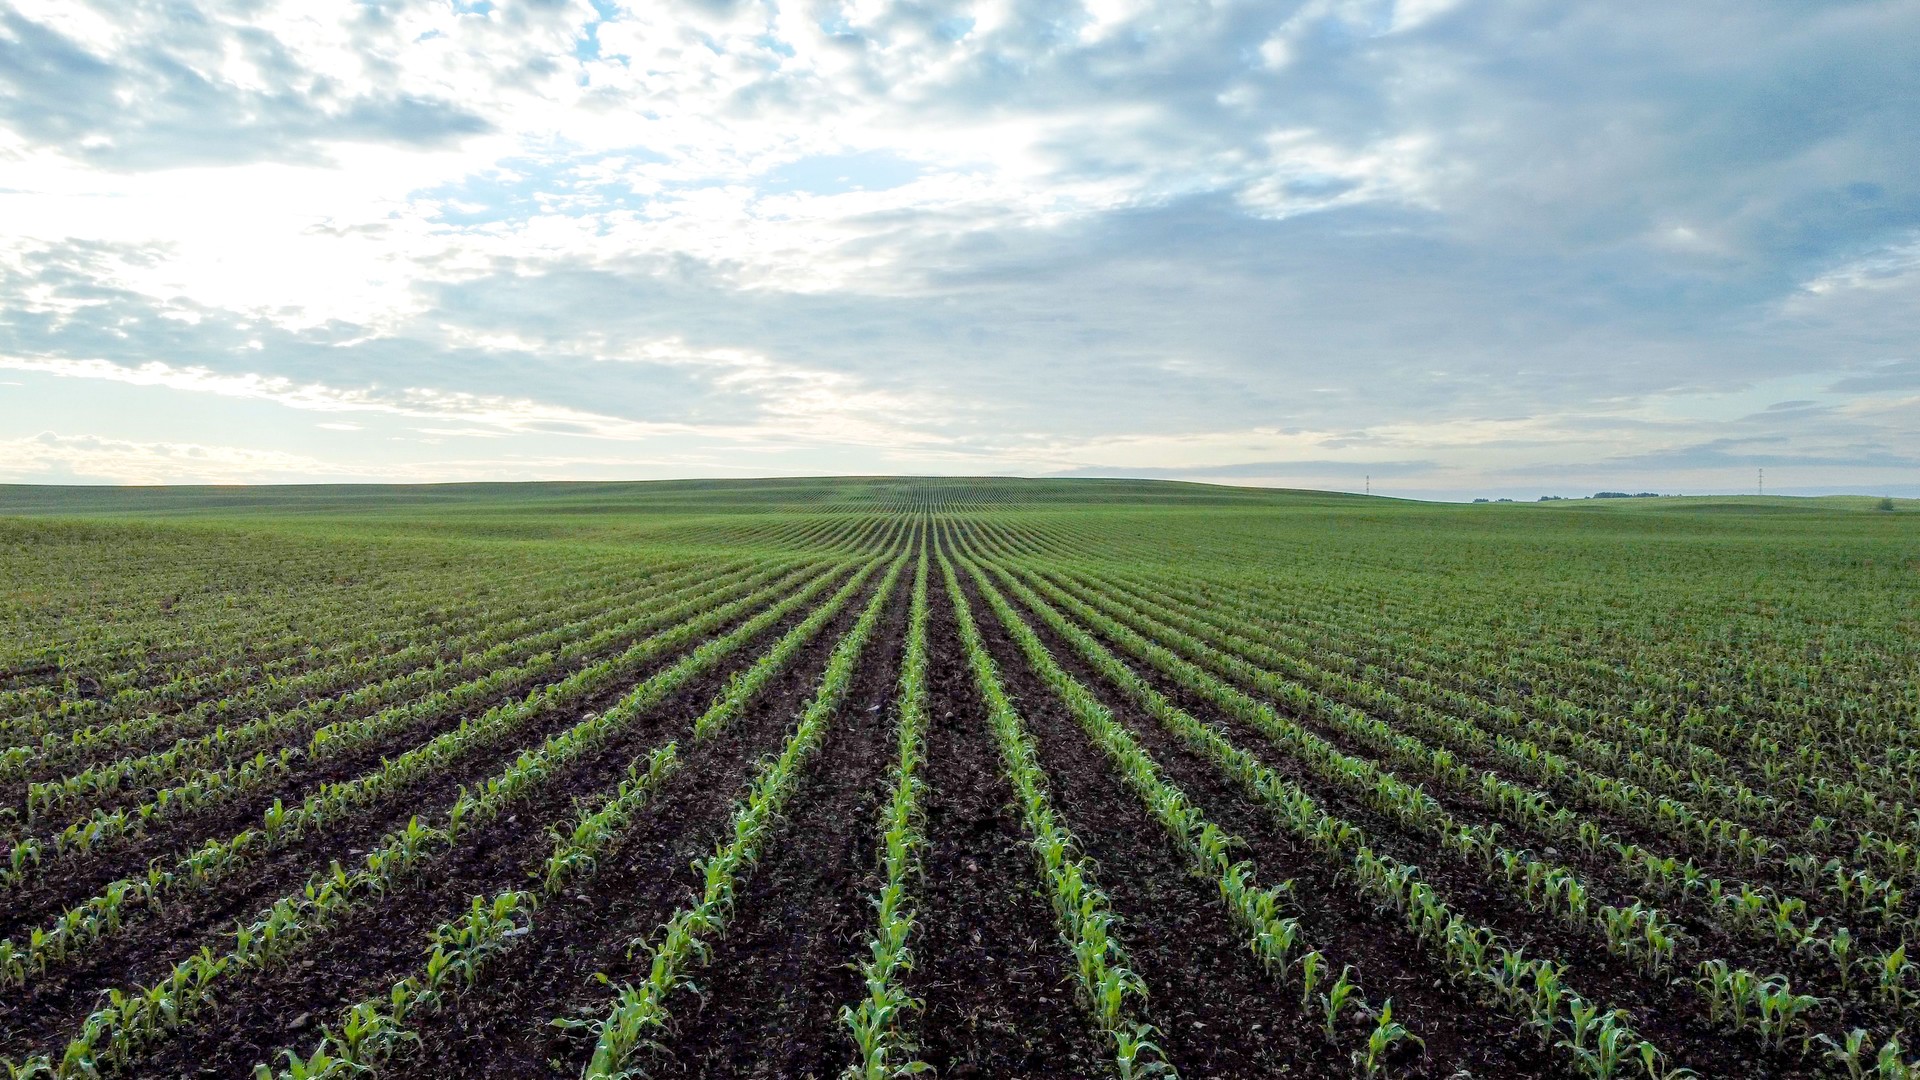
1462 248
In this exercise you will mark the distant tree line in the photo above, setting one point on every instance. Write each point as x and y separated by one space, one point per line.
1884 504
1595 495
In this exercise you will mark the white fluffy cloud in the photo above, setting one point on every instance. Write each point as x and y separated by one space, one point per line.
1476 245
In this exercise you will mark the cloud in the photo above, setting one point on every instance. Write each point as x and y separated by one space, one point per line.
47 457
1771 453
1894 375
506 415
151 88
51 457
1477 239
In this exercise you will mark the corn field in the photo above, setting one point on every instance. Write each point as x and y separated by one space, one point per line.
963 778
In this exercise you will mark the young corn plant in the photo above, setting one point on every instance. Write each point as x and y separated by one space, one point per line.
1386 1034
1892 1065
132 1020
879 1021
376 1031
1850 1053
574 853
1109 989
1780 1009
1602 1044
1209 848
639 1015
1340 998
1894 974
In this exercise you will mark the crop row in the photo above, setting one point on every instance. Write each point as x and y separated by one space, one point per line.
1739 908
639 1014
134 1018
1209 849
579 638
1112 993
108 911
879 1021
1634 929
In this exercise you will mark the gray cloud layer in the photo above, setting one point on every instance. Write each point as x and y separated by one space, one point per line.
156 105
1499 243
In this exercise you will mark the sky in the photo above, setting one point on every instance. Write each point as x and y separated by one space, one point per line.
1431 248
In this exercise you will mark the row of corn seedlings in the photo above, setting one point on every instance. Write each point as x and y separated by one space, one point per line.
374 1032
1533 988
106 913
639 1015
742 686
1112 993
594 832
1635 931
879 1021
1271 937
133 1019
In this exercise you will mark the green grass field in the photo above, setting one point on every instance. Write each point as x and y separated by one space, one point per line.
813 778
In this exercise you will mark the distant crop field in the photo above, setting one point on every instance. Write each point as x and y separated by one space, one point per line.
994 778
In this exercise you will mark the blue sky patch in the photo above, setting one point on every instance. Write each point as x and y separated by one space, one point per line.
835 174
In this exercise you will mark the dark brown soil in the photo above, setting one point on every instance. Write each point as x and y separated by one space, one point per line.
996 979
81 876
1201 976
506 1032
769 1003
1664 1017
994 976
57 1002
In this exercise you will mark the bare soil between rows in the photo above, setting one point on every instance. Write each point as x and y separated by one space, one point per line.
1661 1015
993 975
58 1001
